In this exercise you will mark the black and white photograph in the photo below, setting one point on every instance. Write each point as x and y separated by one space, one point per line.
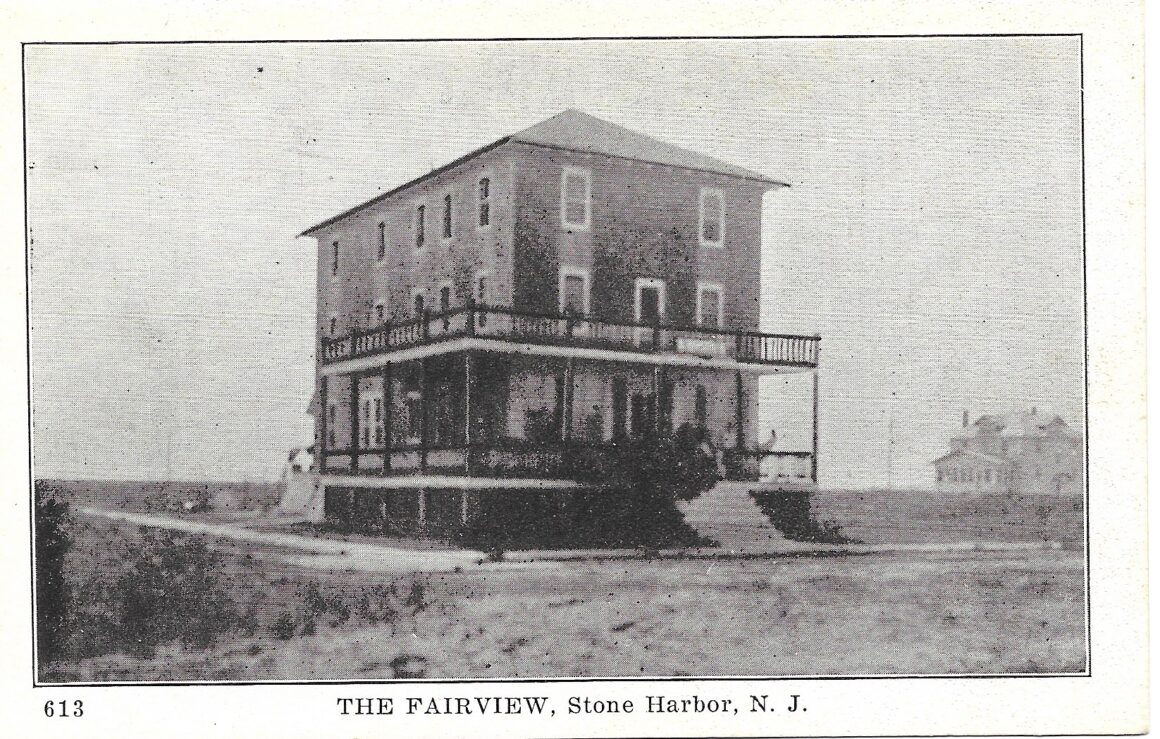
451 361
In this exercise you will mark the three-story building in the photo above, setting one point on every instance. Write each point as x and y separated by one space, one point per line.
493 327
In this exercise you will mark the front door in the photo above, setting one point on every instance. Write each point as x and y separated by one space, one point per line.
649 310
650 306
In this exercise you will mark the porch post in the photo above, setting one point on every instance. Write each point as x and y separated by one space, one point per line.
561 392
569 378
425 411
467 380
322 430
354 383
740 414
388 403
814 456
656 393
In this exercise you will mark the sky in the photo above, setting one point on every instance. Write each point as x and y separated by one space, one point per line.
932 233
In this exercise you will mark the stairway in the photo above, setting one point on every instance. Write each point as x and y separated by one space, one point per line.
731 517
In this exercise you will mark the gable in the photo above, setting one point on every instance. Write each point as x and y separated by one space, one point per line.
969 455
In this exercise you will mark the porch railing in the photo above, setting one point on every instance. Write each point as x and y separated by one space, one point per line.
573 330
511 458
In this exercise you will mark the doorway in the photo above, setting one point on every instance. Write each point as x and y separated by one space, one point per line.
649 306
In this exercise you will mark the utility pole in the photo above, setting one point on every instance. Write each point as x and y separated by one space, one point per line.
890 450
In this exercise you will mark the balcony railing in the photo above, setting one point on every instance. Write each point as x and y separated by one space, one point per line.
574 330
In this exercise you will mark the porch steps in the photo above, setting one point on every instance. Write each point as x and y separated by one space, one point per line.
730 516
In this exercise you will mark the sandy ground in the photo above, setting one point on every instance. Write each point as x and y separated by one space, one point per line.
983 585
903 613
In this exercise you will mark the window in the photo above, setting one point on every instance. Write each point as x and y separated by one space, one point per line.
366 430
420 226
701 408
641 421
331 413
414 408
712 218
987 475
619 406
382 241
445 305
480 293
417 298
334 260
574 294
446 216
484 202
378 421
575 198
710 308
333 326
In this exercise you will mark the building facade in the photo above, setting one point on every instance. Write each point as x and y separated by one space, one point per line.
1026 452
497 324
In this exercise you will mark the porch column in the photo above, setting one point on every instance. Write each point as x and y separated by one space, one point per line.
656 394
740 414
388 403
561 377
322 430
569 379
425 411
354 383
814 456
467 381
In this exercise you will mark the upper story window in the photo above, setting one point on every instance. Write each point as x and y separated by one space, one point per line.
710 308
333 326
712 219
418 301
574 294
382 252
446 216
484 202
380 311
334 259
420 226
576 198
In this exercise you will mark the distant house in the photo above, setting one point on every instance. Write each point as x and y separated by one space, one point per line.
1023 452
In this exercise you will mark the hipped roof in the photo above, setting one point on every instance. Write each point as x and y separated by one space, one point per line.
573 130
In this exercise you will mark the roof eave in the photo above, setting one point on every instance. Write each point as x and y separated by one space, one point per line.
411 183
752 177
